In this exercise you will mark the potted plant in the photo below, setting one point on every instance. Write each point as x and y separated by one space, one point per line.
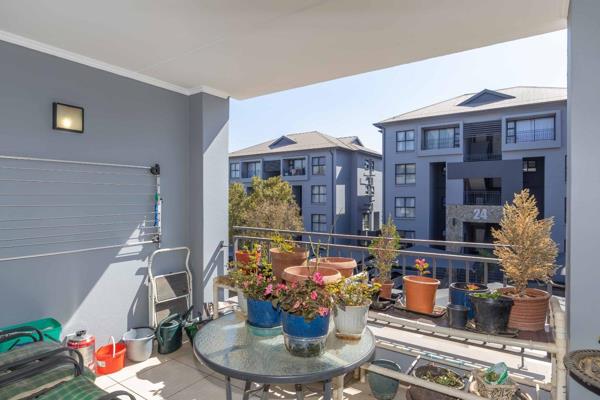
298 273
526 252
285 254
492 311
459 295
352 297
238 273
247 255
384 251
261 289
306 307
345 265
419 290
435 374
494 383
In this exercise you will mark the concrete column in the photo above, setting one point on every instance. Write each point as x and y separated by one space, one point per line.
583 178
209 136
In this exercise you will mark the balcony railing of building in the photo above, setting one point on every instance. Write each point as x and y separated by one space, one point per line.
443 143
531 136
445 265
294 172
483 156
482 197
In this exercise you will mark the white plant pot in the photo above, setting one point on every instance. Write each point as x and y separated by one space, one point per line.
242 302
350 321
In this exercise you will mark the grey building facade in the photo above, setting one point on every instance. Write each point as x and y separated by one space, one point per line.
334 180
451 166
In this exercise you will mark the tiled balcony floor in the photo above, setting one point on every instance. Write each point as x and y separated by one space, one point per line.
178 376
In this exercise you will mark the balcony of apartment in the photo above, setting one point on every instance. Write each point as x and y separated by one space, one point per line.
294 167
482 197
251 169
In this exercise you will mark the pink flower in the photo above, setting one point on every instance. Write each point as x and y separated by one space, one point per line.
314 295
268 289
294 285
246 284
318 278
296 305
323 311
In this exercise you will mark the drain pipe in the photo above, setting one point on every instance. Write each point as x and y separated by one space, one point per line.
333 154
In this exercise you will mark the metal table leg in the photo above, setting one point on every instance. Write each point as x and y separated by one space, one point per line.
265 393
247 386
299 392
326 390
338 391
228 388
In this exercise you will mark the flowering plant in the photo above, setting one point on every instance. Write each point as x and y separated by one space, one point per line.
309 298
262 287
353 291
421 265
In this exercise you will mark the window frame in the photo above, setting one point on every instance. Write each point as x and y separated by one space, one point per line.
405 174
454 141
529 166
320 167
320 224
512 133
257 169
405 141
406 211
320 197
232 170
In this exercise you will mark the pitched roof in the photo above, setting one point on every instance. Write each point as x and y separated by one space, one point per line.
304 141
484 100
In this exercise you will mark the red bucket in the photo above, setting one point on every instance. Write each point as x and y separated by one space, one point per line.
110 358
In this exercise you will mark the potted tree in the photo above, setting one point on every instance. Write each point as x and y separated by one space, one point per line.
352 297
261 290
419 290
384 251
306 308
526 252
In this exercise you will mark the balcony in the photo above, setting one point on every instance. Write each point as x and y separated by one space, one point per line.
534 135
442 143
482 197
294 167
469 157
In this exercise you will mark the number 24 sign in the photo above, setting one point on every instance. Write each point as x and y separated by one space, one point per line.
480 213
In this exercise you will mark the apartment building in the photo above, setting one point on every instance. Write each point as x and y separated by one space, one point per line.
334 180
449 167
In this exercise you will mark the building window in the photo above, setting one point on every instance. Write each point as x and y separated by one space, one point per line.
529 166
251 169
234 170
318 223
294 167
318 165
318 194
405 140
530 130
406 234
441 138
405 207
406 174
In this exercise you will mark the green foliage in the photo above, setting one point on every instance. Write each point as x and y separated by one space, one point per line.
353 291
270 204
279 242
384 248
308 298
495 295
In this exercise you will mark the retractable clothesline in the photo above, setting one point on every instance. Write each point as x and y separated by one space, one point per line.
20 172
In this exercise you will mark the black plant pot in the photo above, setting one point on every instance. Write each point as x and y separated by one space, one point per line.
457 316
491 315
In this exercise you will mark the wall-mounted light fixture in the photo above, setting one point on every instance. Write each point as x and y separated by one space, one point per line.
67 118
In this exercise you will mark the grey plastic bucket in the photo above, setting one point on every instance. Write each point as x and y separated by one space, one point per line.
139 343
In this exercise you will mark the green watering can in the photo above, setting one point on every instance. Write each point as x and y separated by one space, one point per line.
168 334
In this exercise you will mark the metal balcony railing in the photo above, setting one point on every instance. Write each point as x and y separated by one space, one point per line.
444 265
444 143
294 172
531 135
483 156
482 197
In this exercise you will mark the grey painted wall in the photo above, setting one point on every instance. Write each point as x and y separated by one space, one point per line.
584 175
125 122
554 154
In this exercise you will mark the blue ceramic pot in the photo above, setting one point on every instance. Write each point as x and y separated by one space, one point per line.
262 314
304 338
383 387
459 295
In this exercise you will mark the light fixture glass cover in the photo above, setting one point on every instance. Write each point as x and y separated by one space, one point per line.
67 118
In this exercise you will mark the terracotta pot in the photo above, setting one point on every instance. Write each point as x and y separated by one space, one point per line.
385 292
528 313
281 260
243 256
345 265
419 293
301 273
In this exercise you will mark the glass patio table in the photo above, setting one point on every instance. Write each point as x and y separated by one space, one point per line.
227 346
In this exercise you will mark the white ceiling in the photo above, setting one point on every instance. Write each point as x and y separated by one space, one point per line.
246 48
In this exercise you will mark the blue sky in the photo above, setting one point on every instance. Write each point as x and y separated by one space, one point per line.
349 106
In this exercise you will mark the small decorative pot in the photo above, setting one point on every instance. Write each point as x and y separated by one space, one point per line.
350 321
242 302
383 387
262 314
304 338
459 295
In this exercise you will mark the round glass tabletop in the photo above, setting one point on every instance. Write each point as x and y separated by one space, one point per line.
228 347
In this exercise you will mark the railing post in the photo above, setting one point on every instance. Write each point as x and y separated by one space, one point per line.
485 273
467 273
